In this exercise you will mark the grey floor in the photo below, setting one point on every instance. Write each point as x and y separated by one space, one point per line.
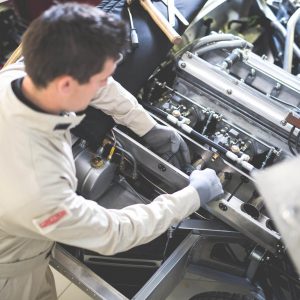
67 290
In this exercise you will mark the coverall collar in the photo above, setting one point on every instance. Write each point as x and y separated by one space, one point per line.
39 120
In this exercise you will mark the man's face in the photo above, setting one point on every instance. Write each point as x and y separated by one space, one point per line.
82 94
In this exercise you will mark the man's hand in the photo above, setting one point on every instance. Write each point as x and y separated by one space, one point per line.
166 142
207 184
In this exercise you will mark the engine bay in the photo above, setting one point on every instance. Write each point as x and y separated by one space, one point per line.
239 113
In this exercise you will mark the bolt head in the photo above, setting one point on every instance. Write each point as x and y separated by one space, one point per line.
283 122
223 207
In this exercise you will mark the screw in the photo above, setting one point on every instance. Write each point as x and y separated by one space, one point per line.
96 162
222 206
162 167
229 91
264 57
82 143
283 122
183 65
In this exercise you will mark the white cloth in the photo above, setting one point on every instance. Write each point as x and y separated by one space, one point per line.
117 102
36 285
38 200
279 185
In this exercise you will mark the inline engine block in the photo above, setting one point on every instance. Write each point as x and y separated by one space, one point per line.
239 113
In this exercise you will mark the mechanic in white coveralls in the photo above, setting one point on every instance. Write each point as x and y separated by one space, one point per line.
70 53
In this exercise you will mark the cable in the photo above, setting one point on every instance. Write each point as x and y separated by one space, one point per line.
213 38
170 234
114 137
224 44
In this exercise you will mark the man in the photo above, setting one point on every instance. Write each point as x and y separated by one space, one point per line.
70 53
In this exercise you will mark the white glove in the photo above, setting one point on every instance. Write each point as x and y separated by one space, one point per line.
207 184
167 142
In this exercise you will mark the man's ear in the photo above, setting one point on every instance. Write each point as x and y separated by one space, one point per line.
65 85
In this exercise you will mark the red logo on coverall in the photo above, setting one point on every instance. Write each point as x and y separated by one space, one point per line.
53 219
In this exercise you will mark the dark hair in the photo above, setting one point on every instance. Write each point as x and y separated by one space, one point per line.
71 39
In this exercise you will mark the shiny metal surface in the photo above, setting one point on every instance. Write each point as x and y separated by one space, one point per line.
93 173
268 76
82 276
169 274
230 212
150 161
246 94
238 93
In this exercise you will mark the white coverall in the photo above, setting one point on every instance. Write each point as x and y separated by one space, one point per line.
38 200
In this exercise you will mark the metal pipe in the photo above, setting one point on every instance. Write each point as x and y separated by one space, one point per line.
212 38
277 25
224 44
288 49
231 59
